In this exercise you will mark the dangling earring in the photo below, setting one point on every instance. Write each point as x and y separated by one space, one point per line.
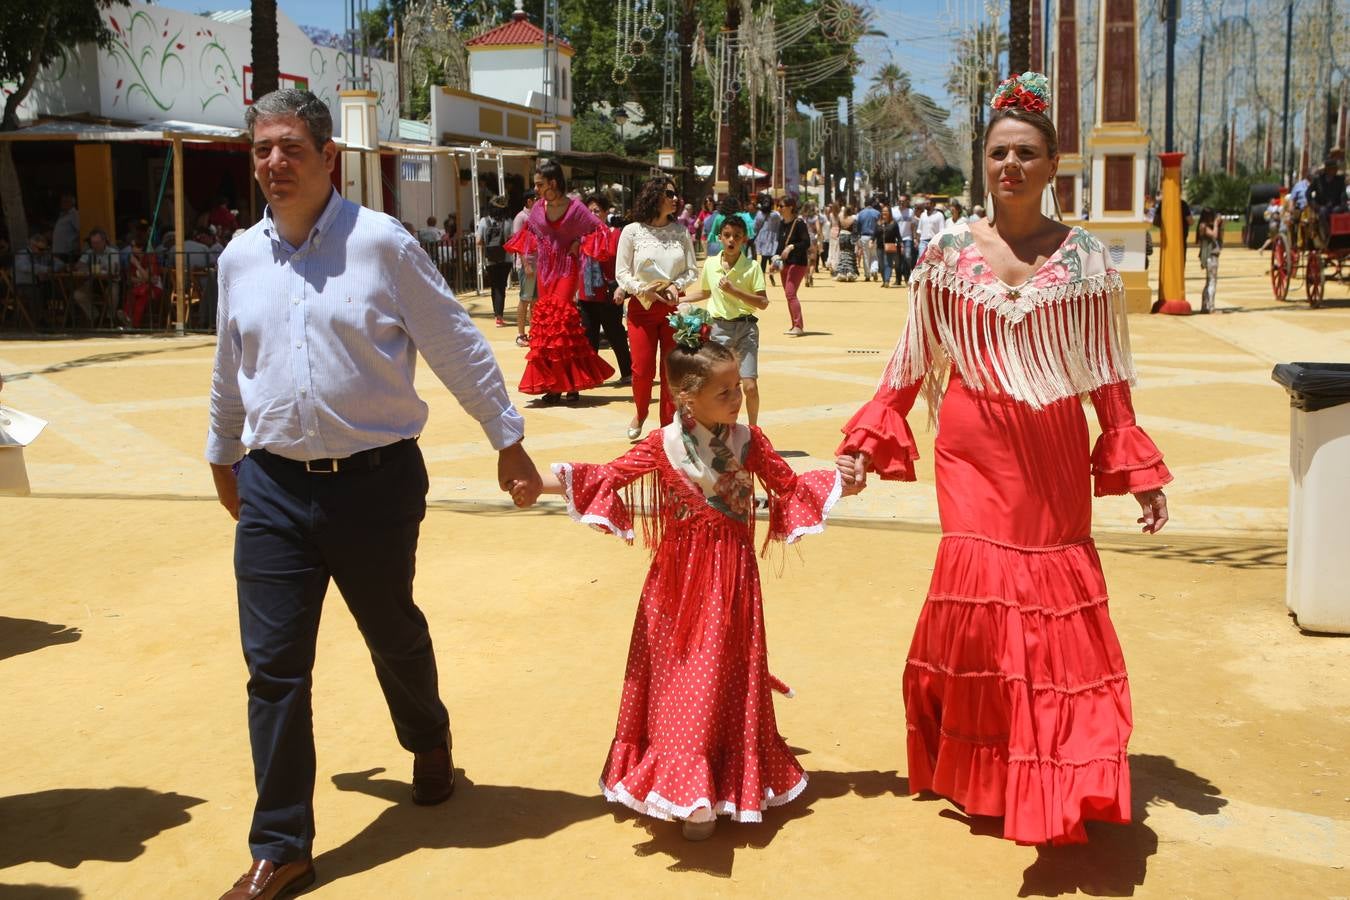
686 417
1054 194
989 207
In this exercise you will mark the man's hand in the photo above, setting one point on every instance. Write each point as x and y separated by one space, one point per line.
517 475
227 488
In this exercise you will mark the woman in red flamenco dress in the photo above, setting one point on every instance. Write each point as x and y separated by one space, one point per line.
696 736
1016 698
560 360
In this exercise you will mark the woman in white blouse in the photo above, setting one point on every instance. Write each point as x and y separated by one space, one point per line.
654 264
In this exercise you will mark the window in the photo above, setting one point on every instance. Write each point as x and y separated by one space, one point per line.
416 167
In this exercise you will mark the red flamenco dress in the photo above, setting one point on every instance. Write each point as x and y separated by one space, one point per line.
560 359
1016 698
696 728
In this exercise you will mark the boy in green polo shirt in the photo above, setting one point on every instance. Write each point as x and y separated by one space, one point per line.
734 288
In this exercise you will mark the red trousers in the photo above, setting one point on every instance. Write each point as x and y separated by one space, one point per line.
792 279
650 338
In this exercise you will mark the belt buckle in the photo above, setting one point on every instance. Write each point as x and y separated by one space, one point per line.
329 466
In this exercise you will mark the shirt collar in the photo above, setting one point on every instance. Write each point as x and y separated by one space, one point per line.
320 227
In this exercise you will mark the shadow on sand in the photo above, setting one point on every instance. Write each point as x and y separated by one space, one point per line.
38 892
20 636
1114 861
68 826
482 815
717 855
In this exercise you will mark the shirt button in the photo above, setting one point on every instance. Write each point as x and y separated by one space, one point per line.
298 345
304 392
295 300
310 432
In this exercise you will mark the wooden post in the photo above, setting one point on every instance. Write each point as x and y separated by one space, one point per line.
180 275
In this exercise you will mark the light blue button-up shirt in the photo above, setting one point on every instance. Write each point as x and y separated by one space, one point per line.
317 344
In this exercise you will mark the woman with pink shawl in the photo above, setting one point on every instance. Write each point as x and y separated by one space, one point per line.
560 360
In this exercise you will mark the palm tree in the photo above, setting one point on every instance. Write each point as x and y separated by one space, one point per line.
970 78
263 32
1019 36
890 79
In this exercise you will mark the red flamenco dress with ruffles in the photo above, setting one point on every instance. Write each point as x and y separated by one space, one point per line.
1016 698
560 359
696 727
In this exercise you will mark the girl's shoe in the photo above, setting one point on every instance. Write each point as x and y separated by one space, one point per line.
634 431
501 323
698 831
550 399
572 396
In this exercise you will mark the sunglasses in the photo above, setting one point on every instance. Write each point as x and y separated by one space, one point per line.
671 194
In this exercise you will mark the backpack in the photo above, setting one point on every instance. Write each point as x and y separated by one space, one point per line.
493 253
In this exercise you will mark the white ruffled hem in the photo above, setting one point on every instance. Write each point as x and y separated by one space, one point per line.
563 472
835 493
659 807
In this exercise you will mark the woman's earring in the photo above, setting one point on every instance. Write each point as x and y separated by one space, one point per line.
989 208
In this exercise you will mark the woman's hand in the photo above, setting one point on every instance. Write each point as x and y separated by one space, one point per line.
852 470
1154 506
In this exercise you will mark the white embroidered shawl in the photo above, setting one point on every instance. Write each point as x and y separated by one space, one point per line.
1061 333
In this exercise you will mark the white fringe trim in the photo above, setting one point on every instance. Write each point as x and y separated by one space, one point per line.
1047 344
830 501
563 472
659 807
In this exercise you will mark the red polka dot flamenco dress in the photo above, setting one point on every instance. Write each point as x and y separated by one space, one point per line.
696 726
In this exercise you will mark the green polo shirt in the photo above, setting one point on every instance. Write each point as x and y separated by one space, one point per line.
745 274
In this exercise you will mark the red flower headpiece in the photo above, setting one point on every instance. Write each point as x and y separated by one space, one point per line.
1029 91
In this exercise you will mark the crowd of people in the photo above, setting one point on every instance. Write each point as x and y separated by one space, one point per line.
61 281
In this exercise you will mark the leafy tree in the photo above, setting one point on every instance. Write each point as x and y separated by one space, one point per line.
939 180
592 132
32 35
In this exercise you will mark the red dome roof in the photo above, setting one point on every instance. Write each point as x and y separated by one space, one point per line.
519 31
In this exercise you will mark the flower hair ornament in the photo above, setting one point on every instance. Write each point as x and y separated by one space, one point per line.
692 329
1029 91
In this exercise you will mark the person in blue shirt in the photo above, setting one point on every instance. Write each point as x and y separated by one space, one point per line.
866 226
325 307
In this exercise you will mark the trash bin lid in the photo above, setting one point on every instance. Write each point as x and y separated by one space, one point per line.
1314 385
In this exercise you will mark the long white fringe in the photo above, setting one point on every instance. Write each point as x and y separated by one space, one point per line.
1034 345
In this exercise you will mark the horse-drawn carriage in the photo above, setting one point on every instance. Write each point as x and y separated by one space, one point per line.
1320 249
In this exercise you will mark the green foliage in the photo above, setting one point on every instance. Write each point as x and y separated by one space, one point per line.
1226 193
592 132
35 34
939 180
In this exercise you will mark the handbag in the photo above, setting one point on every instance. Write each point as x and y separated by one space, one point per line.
892 247
18 429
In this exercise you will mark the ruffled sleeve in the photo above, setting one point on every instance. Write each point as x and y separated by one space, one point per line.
1125 460
523 242
592 491
597 245
880 430
798 504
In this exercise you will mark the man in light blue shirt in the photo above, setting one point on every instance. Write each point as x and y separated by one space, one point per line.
324 306
866 221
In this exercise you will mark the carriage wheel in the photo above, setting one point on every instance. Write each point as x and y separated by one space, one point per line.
1313 281
1280 268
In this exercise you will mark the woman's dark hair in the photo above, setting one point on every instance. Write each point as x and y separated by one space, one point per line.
689 369
1040 121
1208 216
710 201
647 203
551 170
599 200
729 206
886 212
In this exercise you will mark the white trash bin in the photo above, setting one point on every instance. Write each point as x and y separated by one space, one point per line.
1317 583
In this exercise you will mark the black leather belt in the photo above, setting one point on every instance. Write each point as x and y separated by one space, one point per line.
364 461
740 319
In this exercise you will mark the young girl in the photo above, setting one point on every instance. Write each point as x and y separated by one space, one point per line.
1209 235
696 735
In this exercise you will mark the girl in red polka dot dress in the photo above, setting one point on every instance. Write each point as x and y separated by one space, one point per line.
696 736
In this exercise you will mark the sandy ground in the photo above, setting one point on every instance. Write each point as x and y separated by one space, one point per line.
125 759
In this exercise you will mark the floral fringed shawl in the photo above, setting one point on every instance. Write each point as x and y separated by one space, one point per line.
1060 334
553 241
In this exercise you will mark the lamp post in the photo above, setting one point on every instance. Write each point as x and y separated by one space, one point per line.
620 117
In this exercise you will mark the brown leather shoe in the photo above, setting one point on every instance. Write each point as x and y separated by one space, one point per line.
268 881
433 775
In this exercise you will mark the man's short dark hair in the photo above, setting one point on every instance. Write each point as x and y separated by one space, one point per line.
303 105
